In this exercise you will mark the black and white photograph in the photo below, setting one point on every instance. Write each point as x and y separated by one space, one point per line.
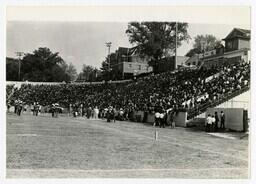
91 94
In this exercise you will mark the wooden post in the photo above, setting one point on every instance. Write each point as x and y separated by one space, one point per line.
156 135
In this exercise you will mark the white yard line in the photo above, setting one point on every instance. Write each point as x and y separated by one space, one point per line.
127 170
222 135
23 135
209 173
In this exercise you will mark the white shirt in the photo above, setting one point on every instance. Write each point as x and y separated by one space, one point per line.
209 120
157 115
213 120
161 115
96 111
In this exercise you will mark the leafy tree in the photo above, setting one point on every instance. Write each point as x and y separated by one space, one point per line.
70 70
41 66
203 43
157 39
105 71
193 51
12 69
88 73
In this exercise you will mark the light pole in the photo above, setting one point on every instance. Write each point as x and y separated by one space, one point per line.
19 54
202 42
108 44
176 42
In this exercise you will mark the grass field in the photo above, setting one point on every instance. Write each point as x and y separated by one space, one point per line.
67 147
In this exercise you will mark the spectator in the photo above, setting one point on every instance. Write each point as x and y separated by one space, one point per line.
157 119
172 120
208 123
216 121
162 120
96 113
222 120
213 124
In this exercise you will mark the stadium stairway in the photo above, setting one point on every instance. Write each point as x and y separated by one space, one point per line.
192 114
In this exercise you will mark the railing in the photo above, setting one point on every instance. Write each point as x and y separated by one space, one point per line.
193 113
19 83
10 95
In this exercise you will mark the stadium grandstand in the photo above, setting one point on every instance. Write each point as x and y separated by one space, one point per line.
190 90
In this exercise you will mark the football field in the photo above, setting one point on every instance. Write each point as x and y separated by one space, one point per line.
67 147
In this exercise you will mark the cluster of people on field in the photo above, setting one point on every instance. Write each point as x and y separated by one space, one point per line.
186 89
164 118
110 113
215 122
18 107
35 108
55 109
81 110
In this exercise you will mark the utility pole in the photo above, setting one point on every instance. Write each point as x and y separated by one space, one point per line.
19 54
176 42
108 44
203 48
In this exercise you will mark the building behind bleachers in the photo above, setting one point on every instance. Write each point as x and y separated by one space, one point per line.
237 48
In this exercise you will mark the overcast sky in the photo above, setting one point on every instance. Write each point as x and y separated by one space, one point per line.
79 33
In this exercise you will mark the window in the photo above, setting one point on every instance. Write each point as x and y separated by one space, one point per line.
139 67
130 65
230 45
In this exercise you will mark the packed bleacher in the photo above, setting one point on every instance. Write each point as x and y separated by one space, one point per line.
185 89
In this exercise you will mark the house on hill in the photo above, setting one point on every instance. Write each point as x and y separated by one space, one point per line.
128 62
237 48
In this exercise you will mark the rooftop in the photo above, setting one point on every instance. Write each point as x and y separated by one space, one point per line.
239 33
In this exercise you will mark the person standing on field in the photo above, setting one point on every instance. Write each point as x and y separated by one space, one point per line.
208 123
19 108
216 121
89 112
222 120
157 116
161 120
96 113
172 120
36 108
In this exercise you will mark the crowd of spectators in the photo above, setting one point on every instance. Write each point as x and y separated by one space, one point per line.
185 89
230 79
